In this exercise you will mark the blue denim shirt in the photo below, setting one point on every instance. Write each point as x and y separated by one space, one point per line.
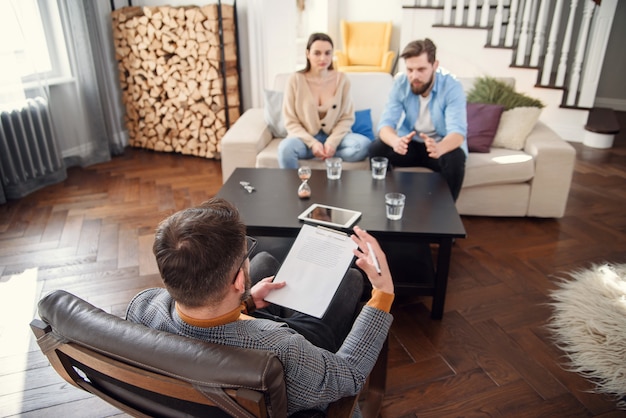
447 107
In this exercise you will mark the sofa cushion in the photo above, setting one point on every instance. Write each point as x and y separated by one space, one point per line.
482 125
499 166
363 123
494 200
515 125
370 91
273 112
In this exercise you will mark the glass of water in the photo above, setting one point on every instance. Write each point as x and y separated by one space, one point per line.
379 167
333 168
395 205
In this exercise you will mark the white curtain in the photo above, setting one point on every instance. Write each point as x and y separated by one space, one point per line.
88 32
84 101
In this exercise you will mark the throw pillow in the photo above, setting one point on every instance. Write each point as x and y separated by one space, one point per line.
482 125
515 125
521 112
273 113
363 123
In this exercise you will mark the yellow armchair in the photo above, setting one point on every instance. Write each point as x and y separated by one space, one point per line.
365 47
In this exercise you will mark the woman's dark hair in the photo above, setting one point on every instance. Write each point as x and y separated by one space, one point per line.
197 251
318 36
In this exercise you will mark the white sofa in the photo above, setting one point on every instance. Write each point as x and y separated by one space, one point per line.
534 181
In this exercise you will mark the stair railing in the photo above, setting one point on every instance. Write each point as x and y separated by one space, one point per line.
573 65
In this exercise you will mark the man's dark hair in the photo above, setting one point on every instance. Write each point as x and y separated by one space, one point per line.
318 36
197 251
417 48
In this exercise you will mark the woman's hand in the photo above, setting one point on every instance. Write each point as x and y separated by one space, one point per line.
329 150
318 150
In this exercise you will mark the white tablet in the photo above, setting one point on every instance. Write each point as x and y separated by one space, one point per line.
330 215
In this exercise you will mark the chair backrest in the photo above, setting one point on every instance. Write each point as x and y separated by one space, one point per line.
146 372
365 43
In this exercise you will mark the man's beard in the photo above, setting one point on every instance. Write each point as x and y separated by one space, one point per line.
421 90
246 275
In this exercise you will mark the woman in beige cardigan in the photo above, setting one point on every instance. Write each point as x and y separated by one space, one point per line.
318 111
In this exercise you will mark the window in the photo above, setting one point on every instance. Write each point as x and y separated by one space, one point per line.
33 41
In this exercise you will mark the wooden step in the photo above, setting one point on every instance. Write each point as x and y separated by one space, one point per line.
602 120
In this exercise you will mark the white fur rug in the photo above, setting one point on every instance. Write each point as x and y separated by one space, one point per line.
589 325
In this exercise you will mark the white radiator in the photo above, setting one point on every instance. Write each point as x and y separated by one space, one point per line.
29 158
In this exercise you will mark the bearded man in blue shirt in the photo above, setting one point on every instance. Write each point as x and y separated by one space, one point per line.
424 123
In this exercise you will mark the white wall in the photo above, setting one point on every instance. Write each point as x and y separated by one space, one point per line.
611 88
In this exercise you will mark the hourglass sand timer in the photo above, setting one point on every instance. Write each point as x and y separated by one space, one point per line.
304 191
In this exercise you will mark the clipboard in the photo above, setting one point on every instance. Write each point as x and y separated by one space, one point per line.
313 270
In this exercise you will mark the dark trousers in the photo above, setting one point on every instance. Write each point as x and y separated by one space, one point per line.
327 332
451 165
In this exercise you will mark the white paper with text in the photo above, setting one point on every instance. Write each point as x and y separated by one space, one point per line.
313 270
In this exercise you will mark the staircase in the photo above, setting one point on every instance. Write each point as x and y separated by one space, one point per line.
551 47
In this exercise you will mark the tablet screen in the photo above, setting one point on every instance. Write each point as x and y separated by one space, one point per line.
330 215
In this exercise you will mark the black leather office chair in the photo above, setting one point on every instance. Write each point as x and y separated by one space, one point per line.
148 373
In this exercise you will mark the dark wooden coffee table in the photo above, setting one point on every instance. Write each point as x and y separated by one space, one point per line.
430 216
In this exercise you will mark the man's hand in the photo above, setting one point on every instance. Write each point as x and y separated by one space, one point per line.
263 288
432 146
436 149
365 260
401 145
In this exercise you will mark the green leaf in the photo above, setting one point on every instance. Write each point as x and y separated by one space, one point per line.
489 90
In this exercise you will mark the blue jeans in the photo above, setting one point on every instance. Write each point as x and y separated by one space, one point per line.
353 147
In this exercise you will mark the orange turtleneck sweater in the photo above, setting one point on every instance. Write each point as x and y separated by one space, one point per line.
379 300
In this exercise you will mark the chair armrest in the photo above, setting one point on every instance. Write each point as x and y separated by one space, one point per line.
388 61
341 59
554 166
243 141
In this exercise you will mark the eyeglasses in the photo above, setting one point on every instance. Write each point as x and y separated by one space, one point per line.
251 244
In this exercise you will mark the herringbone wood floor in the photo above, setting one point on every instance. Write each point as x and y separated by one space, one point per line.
489 356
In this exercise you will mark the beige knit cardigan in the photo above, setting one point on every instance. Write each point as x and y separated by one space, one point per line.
301 115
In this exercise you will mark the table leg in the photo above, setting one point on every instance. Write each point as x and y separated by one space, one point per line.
441 278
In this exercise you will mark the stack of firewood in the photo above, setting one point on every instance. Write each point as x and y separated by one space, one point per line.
171 65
